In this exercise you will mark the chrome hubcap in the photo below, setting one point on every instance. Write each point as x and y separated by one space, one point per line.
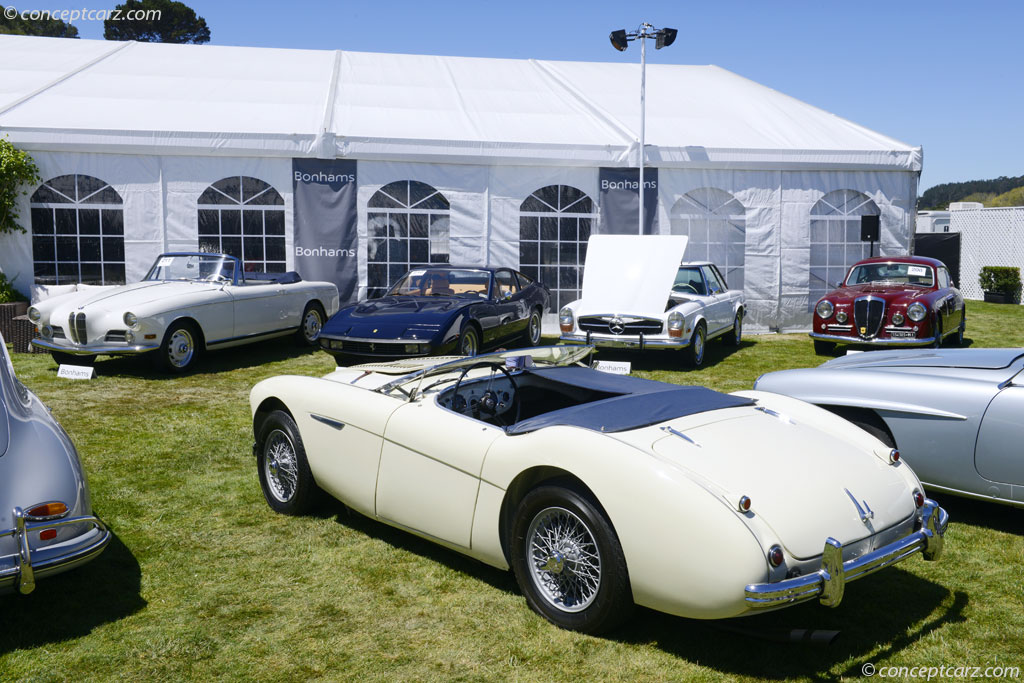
535 328
469 345
311 325
738 328
280 466
181 348
698 346
564 562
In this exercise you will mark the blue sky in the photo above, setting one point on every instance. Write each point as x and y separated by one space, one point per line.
944 75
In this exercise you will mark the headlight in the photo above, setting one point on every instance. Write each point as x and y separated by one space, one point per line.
916 311
841 316
675 320
47 332
824 309
565 319
34 315
897 318
131 320
129 337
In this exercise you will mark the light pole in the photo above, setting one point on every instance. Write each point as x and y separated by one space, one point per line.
663 37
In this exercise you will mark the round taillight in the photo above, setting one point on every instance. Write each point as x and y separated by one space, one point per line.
918 498
775 555
47 510
744 504
894 456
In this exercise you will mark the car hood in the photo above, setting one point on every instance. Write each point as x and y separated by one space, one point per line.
803 482
894 294
125 298
982 359
390 316
630 274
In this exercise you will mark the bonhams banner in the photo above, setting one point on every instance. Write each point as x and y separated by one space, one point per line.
325 241
619 194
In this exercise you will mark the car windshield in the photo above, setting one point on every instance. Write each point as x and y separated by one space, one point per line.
541 355
689 281
460 282
892 273
196 267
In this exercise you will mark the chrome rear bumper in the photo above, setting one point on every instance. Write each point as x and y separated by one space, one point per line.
828 583
21 570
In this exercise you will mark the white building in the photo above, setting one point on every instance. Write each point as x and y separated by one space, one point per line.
150 147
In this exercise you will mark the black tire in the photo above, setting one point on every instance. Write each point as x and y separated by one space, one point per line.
548 579
531 337
937 330
694 353
962 329
283 470
180 348
735 336
824 348
310 324
469 341
61 358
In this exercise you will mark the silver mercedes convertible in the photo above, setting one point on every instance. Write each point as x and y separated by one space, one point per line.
956 415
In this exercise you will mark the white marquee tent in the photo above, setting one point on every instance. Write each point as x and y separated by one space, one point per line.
768 186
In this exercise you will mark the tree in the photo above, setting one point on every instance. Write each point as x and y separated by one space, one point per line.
164 21
43 26
16 171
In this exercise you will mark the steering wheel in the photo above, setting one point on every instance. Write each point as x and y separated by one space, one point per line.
216 277
490 403
682 287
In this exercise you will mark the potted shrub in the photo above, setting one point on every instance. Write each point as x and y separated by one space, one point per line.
1001 284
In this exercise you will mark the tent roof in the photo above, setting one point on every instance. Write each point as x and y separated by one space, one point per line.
87 95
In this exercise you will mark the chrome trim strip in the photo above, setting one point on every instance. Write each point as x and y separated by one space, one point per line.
94 349
376 340
337 424
828 583
923 341
777 415
251 336
23 572
684 437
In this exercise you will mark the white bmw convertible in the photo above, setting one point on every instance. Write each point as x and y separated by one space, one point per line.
599 491
187 303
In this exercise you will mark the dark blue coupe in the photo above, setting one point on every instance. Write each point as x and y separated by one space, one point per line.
440 310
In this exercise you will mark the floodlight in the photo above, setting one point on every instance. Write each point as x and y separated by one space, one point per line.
666 37
619 40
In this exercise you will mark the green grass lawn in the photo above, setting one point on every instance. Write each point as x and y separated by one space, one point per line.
204 581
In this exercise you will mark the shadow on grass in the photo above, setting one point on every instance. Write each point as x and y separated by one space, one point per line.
72 604
209 362
893 607
672 360
409 542
995 516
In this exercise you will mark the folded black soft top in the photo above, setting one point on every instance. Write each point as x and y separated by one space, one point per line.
291 277
636 402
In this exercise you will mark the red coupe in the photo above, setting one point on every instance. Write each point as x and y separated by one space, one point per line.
891 301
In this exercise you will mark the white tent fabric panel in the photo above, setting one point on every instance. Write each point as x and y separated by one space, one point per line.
237 101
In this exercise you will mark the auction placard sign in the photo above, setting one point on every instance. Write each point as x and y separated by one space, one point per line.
619 196
325 241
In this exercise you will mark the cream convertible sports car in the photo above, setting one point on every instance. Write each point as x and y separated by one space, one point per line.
600 491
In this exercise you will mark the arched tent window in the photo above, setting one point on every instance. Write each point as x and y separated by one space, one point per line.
244 217
77 232
716 224
407 224
554 226
835 238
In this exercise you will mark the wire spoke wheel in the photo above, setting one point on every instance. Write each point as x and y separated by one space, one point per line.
564 560
280 466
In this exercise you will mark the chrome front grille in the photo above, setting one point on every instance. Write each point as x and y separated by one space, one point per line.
76 328
868 315
610 324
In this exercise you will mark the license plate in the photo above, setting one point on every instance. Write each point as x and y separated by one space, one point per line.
903 334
